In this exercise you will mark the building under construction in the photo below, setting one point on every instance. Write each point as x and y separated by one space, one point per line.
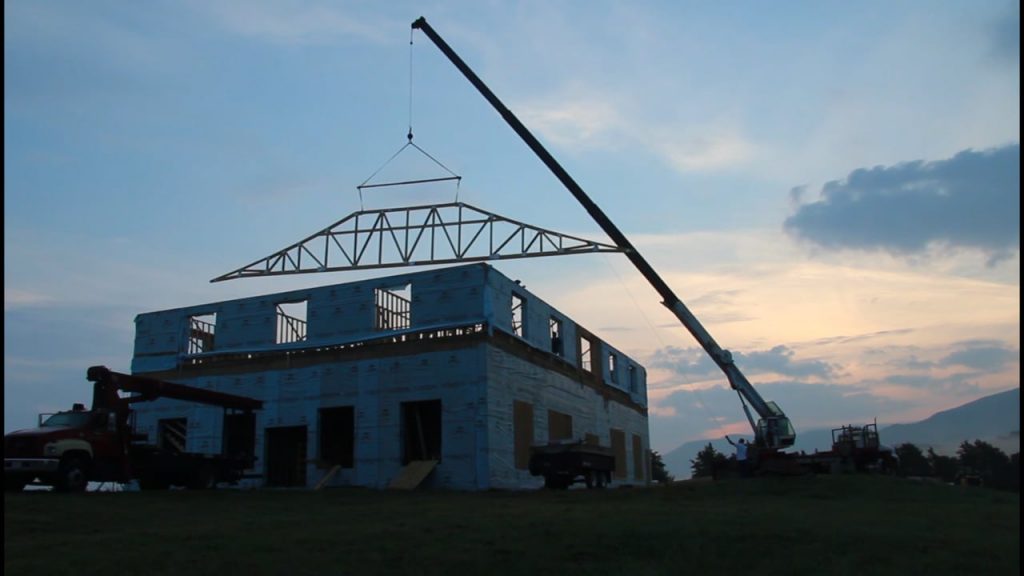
460 368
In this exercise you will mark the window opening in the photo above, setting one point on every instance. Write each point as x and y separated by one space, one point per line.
201 328
240 436
393 307
421 431
556 337
172 434
338 436
632 379
291 322
518 315
286 456
586 348
613 373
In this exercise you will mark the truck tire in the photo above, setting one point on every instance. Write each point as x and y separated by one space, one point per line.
153 482
72 476
204 478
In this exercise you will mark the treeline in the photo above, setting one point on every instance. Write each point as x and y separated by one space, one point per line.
978 463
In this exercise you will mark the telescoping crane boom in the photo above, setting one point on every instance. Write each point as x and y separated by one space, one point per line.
773 429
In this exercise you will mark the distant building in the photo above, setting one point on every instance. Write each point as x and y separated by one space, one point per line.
460 365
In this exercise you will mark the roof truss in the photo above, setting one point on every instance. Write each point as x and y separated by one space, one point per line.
421 235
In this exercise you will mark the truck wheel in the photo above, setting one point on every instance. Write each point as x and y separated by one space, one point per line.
205 478
153 483
72 476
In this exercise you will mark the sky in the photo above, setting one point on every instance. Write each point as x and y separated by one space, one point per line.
833 188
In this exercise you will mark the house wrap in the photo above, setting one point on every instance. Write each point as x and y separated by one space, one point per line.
462 366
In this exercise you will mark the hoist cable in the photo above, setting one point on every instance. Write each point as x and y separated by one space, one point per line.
408 143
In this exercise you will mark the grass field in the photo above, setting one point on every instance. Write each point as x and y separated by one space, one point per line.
811 525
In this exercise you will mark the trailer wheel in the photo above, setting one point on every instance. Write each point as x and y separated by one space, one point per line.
554 482
72 476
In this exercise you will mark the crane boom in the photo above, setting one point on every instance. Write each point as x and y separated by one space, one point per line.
773 430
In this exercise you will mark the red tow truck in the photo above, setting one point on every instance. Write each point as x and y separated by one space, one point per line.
72 448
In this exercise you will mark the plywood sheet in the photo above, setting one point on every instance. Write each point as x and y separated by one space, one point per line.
413 474
619 447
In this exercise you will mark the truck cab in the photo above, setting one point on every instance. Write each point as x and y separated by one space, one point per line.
66 450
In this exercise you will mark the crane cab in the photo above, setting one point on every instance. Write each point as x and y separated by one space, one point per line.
775 431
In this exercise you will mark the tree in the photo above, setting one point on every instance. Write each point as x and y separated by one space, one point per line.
944 467
709 462
1014 473
989 463
658 471
912 460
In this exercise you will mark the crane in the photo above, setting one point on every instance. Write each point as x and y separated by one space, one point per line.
773 430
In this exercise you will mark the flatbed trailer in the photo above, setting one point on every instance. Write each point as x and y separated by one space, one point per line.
563 465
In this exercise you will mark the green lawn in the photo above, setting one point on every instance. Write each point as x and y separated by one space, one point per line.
810 525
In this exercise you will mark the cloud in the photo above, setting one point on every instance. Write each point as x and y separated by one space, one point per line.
958 385
983 356
694 362
15 299
574 118
1006 35
296 22
697 413
706 151
574 122
863 337
969 201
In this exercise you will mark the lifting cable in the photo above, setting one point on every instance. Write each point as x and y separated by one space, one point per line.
409 135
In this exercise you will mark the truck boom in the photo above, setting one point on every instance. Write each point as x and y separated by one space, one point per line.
773 430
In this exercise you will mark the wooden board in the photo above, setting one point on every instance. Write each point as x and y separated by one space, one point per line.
413 474
330 474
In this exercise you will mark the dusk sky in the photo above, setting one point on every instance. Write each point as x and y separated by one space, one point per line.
832 187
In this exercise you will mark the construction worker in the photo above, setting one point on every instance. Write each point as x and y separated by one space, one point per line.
741 456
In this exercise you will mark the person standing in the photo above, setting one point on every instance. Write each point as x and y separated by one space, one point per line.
742 462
